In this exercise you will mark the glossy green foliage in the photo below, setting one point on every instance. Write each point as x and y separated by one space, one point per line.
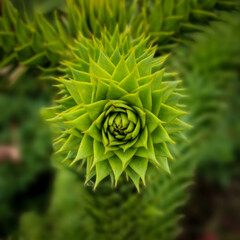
118 111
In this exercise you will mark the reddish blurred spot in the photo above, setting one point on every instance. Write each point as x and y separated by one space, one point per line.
9 153
209 236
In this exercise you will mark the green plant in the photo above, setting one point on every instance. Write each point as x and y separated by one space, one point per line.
40 43
214 108
54 50
118 111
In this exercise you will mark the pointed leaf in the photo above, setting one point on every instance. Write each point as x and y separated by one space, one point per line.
85 149
70 144
94 132
126 156
99 152
80 76
152 121
133 99
115 92
130 62
116 56
148 153
146 96
156 101
105 63
176 126
85 91
139 165
143 139
157 80
163 163
129 83
82 123
116 166
134 176
72 90
98 71
95 109
121 71
103 169
161 149
102 89
160 135
145 66
168 113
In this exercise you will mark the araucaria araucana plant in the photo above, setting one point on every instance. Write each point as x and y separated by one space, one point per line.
117 111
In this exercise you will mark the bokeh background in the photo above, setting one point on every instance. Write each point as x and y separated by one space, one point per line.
41 200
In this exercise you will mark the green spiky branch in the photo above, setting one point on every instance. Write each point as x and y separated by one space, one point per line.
117 111
30 44
84 65
43 44
120 69
153 212
170 22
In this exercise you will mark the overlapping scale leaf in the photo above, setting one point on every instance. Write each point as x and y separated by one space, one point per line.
116 108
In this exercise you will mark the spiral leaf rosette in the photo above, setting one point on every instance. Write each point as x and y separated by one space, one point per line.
118 109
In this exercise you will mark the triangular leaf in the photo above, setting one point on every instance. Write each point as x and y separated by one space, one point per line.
121 71
82 123
152 121
133 99
146 96
156 101
129 83
126 156
103 169
85 91
145 66
95 109
94 132
102 89
115 92
116 166
176 126
168 113
98 71
85 149
73 91
130 62
139 165
161 149
80 76
134 176
143 139
105 63
99 152
148 153
160 135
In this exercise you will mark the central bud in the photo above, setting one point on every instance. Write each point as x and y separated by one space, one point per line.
121 124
